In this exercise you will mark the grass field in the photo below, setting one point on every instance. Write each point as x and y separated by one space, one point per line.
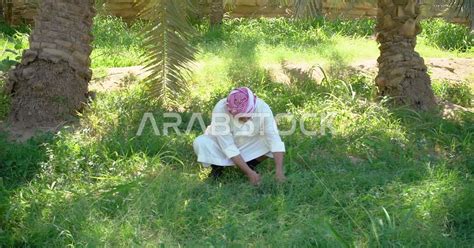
380 177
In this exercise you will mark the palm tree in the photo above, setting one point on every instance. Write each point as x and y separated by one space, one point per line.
50 83
402 72
217 12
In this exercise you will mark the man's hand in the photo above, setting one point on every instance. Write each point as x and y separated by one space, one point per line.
254 178
280 177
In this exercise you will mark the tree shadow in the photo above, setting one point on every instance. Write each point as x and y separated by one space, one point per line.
170 206
19 162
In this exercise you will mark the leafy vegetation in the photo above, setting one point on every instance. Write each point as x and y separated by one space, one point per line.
12 48
448 36
379 177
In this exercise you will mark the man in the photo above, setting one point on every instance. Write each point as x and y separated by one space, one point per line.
243 133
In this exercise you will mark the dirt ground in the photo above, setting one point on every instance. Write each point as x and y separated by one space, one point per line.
116 78
454 69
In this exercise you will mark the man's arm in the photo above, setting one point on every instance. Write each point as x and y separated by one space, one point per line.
276 145
253 176
279 173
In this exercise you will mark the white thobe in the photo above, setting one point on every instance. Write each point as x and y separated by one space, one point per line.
226 137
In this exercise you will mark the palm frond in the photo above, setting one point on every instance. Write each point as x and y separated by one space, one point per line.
169 53
463 8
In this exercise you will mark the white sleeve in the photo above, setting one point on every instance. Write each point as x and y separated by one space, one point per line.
272 137
220 128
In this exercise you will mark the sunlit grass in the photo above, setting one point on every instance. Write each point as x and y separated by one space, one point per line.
428 51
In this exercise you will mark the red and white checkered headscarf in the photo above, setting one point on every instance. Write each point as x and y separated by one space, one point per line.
241 101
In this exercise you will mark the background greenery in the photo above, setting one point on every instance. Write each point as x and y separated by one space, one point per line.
382 177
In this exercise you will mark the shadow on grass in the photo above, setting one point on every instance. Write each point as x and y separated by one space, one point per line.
19 162
172 207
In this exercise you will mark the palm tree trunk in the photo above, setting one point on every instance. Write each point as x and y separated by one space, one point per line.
217 12
50 84
402 72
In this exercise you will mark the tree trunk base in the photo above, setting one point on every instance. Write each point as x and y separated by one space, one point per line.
45 93
403 74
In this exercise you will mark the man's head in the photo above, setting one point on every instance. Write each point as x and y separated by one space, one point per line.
240 102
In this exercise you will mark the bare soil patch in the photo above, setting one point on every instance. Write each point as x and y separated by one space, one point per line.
117 78
453 69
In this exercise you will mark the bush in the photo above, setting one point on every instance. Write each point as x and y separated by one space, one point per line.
449 36
13 49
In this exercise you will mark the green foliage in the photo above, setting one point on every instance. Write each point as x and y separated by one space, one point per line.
8 30
4 102
21 162
12 43
380 177
447 35
363 27
456 92
12 49
102 185
113 32
120 44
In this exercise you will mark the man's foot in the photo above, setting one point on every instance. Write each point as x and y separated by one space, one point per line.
216 171
254 162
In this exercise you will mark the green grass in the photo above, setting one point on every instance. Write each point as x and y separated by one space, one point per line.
382 177
460 93
117 44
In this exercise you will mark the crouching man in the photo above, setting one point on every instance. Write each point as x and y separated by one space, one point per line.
242 133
